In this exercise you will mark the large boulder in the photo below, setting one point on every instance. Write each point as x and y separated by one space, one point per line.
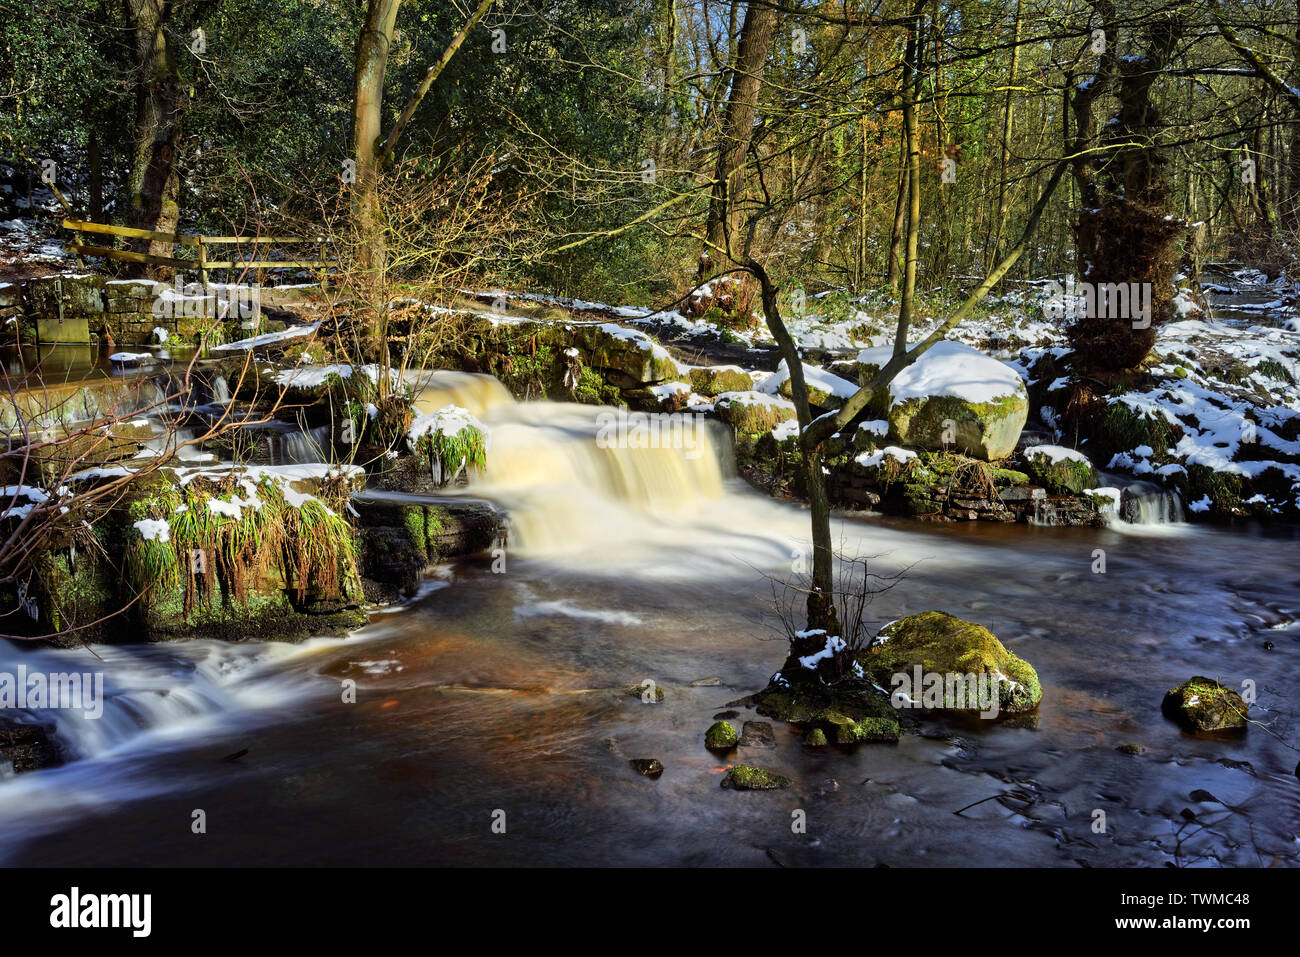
939 643
953 397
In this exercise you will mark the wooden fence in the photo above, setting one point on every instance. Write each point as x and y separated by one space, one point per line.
201 245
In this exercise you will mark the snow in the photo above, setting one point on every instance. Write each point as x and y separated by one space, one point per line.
949 368
449 420
834 644
875 427
243 345
154 530
872 459
814 376
1055 454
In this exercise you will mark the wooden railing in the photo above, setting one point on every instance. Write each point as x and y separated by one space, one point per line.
200 244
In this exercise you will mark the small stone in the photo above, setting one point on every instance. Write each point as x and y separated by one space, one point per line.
1202 704
744 777
647 767
757 734
706 682
1133 749
645 692
721 736
726 715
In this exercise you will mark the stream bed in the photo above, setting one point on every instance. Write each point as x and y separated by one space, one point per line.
499 695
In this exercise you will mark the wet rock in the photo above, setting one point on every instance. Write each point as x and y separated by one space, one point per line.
721 736
816 738
1131 749
941 644
706 682
645 692
27 747
1202 704
744 777
647 767
726 715
757 734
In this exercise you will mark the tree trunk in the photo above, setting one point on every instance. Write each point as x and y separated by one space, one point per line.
367 120
912 137
154 185
738 126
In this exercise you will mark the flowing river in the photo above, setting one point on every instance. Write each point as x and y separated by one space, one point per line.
498 695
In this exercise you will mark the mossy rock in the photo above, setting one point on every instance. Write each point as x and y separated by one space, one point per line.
987 429
744 777
983 430
715 380
1060 470
753 412
650 768
816 738
943 644
721 736
1202 704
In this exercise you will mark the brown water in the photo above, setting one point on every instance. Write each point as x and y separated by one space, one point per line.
501 690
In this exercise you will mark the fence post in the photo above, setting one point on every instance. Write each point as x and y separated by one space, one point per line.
203 259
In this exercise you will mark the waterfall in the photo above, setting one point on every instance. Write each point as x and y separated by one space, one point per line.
301 448
1145 503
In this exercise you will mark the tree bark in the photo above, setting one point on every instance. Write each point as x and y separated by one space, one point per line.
738 126
154 183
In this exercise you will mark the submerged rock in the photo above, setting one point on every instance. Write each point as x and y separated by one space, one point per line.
26 747
744 777
1202 704
941 644
721 736
647 767
757 734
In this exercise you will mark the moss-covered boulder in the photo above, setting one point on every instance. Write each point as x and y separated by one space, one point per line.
721 736
714 380
1202 704
1059 470
939 643
744 777
753 412
953 397
816 738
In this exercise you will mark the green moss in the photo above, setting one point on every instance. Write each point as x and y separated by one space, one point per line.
1202 704
816 738
1063 476
744 777
943 644
715 381
592 389
721 736
414 522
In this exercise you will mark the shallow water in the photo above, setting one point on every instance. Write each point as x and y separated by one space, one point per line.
502 690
